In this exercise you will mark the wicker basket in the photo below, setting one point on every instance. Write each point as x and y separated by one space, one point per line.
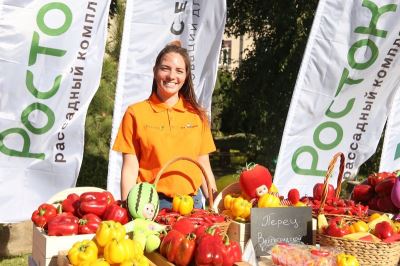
367 253
223 226
239 232
331 167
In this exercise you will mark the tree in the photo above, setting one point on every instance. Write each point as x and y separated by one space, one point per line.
261 91
99 117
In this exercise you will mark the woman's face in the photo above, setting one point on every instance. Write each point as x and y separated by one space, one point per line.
170 75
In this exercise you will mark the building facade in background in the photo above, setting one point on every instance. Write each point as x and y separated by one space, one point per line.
233 51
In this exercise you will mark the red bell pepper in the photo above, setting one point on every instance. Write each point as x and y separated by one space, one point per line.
116 213
88 224
337 227
64 224
210 251
383 230
170 244
185 250
71 203
178 248
184 225
109 197
43 215
93 202
207 229
232 252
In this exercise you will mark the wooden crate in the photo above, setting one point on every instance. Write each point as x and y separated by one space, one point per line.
239 232
158 259
62 259
45 248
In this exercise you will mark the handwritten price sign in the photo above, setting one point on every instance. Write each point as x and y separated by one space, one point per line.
270 226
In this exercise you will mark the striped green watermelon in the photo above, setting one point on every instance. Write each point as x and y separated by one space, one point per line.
143 201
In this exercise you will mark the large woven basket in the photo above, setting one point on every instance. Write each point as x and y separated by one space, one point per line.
223 226
332 164
367 253
237 231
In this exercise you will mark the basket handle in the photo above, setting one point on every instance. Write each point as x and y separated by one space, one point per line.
210 194
328 174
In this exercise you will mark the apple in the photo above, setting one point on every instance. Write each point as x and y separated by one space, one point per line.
319 189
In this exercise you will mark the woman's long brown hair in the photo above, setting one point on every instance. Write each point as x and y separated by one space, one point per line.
187 90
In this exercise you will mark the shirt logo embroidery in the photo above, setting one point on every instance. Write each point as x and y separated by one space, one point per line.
154 127
189 125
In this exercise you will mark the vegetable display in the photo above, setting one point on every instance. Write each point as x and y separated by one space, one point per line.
43 214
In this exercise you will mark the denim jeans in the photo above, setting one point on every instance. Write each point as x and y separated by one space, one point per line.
166 202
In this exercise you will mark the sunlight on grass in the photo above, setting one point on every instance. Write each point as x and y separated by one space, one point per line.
15 260
225 180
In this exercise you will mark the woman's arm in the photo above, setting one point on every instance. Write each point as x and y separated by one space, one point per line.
204 160
129 173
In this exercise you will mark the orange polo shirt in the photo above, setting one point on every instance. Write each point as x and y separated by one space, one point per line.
157 133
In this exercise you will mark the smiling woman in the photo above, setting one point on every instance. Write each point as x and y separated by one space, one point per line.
168 125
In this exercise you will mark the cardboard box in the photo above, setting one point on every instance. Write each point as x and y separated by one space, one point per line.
45 248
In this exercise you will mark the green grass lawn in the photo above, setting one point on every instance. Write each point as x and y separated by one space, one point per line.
15 260
225 180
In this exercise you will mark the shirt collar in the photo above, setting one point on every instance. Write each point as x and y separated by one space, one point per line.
159 106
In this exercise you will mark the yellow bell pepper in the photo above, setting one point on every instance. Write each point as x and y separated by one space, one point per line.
135 249
373 216
142 261
359 226
343 259
83 251
273 189
269 200
240 208
109 230
182 204
228 199
117 251
98 262
396 227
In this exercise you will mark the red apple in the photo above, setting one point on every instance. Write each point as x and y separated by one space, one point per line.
319 189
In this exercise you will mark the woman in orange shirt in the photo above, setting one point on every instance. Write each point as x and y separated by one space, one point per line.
169 124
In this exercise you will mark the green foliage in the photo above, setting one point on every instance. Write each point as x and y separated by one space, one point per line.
99 117
219 101
260 95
